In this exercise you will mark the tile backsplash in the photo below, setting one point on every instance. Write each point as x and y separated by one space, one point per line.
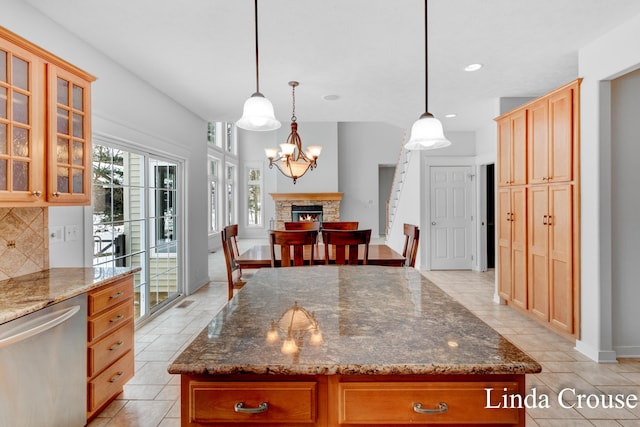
24 242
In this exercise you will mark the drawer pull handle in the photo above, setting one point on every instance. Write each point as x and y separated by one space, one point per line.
441 409
118 295
118 317
239 407
116 377
116 346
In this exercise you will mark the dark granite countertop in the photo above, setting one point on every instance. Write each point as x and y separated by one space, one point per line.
373 320
22 295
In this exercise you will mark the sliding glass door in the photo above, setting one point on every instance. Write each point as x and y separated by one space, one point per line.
137 222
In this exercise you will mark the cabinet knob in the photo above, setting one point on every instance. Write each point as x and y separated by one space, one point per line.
56 194
37 193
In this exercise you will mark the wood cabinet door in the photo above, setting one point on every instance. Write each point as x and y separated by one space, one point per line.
504 151
538 249
538 144
519 148
21 126
504 243
70 153
519 246
561 135
561 256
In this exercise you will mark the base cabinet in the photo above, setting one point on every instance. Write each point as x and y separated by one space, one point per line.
110 356
349 400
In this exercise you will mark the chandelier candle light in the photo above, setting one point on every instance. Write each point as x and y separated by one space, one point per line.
292 161
257 113
426 132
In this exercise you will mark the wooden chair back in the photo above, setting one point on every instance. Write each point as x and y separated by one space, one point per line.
302 225
230 249
340 225
345 245
292 247
412 239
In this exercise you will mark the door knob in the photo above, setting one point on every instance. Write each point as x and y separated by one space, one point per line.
433 223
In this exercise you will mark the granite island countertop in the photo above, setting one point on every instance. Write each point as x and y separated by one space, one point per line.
373 320
22 295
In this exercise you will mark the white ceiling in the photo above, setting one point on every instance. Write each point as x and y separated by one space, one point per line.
368 52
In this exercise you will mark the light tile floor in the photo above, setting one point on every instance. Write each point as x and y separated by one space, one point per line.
151 398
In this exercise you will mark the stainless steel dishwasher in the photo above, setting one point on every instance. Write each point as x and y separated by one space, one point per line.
43 367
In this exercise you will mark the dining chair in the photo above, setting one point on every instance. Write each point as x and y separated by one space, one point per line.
345 245
412 239
235 279
340 225
302 225
296 239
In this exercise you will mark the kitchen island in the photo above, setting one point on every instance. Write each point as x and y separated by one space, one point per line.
349 345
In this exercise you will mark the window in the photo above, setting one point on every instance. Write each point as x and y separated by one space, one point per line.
231 194
213 173
230 138
254 196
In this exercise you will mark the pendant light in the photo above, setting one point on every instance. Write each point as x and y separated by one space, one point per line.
257 113
426 132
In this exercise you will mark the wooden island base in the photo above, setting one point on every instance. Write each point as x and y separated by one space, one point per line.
336 400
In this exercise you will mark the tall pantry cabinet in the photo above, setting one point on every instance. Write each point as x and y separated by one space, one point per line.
538 208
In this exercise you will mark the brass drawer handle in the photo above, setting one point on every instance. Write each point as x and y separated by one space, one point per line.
116 377
117 295
239 407
442 408
116 346
117 318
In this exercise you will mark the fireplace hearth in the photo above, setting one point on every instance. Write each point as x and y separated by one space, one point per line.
312 206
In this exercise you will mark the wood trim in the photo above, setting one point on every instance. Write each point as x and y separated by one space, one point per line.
305 196
44 54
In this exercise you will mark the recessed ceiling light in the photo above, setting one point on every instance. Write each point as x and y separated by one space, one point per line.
473 67
330 97
450 116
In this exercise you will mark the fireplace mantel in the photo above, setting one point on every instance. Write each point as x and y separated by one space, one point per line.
330 205
306 196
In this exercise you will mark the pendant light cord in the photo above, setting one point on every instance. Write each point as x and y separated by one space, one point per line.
256 22
426 62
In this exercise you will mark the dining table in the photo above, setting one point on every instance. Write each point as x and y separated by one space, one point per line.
259 256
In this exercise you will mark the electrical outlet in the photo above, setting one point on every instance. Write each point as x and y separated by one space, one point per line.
56 234
71 232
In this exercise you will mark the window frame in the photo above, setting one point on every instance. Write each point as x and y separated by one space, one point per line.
248 183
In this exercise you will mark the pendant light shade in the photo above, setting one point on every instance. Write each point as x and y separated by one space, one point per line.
257 114
426 132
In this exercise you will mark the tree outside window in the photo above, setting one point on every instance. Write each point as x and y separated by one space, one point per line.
254 194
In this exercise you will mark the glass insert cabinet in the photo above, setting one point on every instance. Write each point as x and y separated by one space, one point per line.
45 127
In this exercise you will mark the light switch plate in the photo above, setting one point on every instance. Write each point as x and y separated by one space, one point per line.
56 234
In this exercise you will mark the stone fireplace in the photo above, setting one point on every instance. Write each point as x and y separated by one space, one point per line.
327 205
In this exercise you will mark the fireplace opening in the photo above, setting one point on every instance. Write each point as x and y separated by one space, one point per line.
306 213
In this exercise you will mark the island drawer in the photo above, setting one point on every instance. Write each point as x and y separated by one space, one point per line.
445 403
110 319
109 295
286 402
106 351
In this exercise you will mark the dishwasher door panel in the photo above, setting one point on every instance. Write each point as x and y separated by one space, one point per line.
43 367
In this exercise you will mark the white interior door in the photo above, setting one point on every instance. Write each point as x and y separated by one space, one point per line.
451 217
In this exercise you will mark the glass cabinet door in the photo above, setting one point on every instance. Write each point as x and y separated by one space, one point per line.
20 123
69 138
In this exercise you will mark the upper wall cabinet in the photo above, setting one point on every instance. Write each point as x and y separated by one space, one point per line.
512 149
45 127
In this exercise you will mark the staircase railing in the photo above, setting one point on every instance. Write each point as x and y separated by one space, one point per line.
398 181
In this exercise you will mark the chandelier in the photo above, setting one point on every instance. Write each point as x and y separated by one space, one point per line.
291 160
426 132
